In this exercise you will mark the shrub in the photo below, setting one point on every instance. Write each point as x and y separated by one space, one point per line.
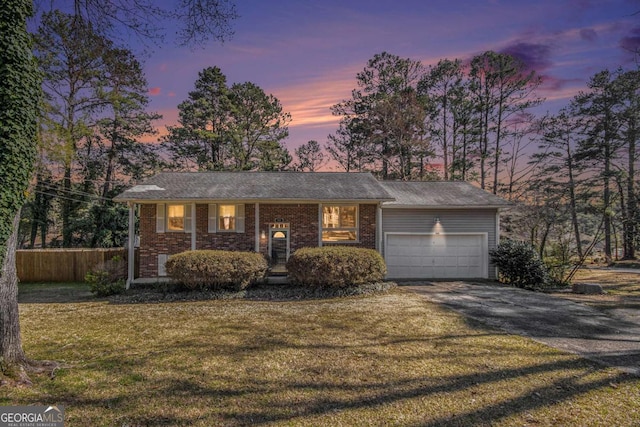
519 265
336 266
107 278
215 269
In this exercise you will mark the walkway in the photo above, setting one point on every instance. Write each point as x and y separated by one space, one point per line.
558 322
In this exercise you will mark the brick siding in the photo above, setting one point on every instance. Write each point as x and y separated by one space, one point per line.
302 218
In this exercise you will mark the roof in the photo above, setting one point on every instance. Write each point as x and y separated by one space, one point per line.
258 186
440 194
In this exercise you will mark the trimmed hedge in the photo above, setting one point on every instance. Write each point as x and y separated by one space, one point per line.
215 269
336 266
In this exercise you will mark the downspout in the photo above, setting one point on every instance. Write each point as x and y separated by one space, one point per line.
131 259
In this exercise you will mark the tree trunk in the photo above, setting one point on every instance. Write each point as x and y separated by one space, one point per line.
630 225
572 202
12 357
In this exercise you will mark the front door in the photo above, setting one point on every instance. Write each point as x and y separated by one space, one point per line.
278 248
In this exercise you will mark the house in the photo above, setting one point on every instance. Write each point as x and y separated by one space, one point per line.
423 229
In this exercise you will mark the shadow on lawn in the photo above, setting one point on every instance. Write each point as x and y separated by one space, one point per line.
188 396
55 293
371 396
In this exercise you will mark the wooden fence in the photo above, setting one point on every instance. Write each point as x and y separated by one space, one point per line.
61 265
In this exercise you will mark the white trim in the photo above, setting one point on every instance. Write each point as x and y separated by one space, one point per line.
379 241
193 226
485 245
319 225
256 227
131 259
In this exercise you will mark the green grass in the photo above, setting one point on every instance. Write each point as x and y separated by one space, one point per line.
392 359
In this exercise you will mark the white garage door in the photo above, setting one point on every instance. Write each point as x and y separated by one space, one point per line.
436 256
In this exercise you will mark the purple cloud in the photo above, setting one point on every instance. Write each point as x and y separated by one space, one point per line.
533 56
588 34
631 42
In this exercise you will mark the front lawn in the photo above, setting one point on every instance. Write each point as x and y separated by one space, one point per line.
391 359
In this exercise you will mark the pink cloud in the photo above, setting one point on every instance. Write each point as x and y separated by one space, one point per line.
154 91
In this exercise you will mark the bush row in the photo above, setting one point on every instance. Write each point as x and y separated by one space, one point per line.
319 267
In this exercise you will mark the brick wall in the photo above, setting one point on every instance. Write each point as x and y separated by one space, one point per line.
302 218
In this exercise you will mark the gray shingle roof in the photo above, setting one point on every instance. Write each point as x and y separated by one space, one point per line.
440 194
257 186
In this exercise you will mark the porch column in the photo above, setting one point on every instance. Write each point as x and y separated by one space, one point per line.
257 227
131 259
193 226
379 241
320 225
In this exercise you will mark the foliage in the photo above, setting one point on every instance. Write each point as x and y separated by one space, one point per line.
19 96
388 114
107 278
93 119
310 157
519 265
336 266
215 269
228 128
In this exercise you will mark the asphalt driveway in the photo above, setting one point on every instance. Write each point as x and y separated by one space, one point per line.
557 322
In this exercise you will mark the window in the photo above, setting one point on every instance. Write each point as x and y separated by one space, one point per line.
227 217
175 217
339 223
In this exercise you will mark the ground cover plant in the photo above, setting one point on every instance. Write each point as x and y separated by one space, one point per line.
384 359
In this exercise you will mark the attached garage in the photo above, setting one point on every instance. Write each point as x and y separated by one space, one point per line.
439 230
436 256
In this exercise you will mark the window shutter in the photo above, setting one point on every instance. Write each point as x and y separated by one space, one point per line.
187 218
240 218
213 218
160 221
162 261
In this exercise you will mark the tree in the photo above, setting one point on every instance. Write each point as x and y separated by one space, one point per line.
201 139
350 146
257 126
19 97
628 85
222 128
557 167
71 56
310 157
501 88
388 114
599 109
444 87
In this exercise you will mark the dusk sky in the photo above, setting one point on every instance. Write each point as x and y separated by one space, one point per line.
307 53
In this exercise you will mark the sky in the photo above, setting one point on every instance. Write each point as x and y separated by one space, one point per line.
307 53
